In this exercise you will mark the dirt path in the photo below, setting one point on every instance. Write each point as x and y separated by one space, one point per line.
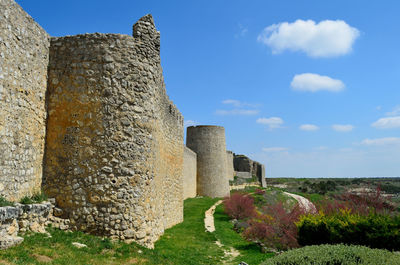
209 217
304 203
230 253
243 186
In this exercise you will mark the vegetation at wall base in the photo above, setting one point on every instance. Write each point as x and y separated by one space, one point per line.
5 202
36 198
186 243
335 254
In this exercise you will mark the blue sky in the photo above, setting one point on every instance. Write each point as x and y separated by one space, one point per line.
309 88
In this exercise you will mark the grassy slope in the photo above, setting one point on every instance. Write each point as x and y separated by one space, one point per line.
250 252
185 243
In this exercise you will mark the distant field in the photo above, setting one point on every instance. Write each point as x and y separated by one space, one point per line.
389 187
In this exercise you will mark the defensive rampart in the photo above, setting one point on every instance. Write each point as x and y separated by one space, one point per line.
114 146
247 168
229 165
24 53
189 173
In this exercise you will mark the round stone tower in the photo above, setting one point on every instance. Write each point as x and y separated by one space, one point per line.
209 144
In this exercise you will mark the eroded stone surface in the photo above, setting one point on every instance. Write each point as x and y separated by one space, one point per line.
24 54
114 141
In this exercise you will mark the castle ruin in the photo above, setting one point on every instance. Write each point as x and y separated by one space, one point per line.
86 119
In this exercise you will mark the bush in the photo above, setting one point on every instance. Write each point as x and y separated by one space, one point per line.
275 229
362 204
373 230
334 254
240 206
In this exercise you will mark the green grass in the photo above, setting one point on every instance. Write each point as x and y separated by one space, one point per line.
36 198
271 197
185 243
313 197
250 252
188 243
4 202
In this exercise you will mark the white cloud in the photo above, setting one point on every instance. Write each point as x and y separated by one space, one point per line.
237 112
238 103
342 127
308 127
387 123
242 31
188 123
328 38
381 141
394 112
233 102
240 108
274 149
314 82
273 122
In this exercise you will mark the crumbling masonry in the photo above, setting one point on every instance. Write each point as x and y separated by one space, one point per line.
87 120
113 151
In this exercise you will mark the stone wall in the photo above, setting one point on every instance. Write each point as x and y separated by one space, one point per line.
244 164
209 144
24 49
114 146
189 173
23 218
229 165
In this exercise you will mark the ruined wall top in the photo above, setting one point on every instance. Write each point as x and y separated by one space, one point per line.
145 30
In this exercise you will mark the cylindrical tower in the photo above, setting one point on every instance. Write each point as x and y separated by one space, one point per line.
209 144
114 147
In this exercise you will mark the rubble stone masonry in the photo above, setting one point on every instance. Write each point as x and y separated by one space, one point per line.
24 55
114 147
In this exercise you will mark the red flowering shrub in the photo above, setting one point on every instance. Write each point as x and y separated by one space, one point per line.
275 229
363 203
240 206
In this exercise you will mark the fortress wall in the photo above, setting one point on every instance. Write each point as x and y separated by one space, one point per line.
229 165
24 48
209 144
189 173
170 162
244 164
114 140
169 131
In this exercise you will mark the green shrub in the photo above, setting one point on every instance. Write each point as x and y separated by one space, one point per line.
373 230
5 202
335 254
